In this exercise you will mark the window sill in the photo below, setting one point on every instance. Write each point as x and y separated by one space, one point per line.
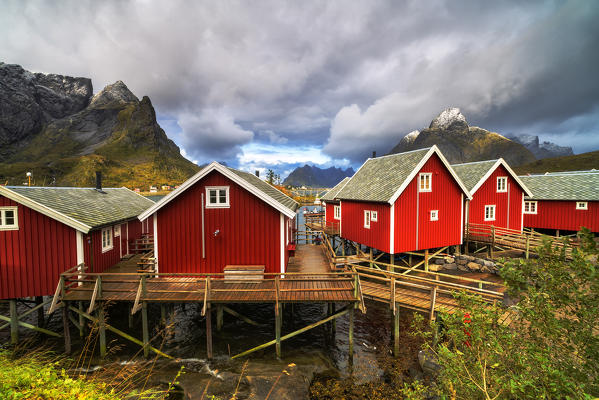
218 206
107 249
9 228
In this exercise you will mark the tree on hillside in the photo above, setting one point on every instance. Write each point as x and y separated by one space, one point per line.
550 349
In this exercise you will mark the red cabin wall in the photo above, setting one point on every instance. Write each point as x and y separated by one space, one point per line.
413 228
552 214
510 201
32 257
135 232
249 231
352 228
100 261
330 212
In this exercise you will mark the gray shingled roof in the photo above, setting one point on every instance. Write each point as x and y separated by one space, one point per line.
579 186
379 178
87 205
472 173
332 194
271 191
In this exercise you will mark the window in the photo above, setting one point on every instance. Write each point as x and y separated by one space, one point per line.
337 212
425 182
502 184
530 207
434 215
367 219
374 216
117 230
106 239
9 219
490 213
217 197
582 205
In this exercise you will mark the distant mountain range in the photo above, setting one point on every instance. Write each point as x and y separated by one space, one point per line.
311 176
541 149
52 126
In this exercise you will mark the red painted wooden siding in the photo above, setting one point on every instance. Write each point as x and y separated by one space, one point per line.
135 231
330 212
487 195
147 225
101 261
352 228
413 228
249 231
563 215
32 258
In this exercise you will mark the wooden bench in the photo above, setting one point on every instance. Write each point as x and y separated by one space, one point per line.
246 273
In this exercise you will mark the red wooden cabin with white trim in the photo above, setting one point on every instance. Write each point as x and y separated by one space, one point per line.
562 201
45 231
219 217
497 193
332 208
404 202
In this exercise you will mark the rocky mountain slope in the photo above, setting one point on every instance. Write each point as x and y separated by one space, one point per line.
460 142
311 176
578 162
52 126
541 149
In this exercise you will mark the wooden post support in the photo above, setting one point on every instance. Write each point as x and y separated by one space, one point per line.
163 314
145 332
351 335
410 259
392 262
527 246
278 323
334 321
65 326
14 322
102 330
39 300
396 333
81 321
208 333
433 300
426 260
130 317
492 245
370 258
219 318
392 295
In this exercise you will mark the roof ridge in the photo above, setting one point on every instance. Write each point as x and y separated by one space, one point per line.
476 162
397 154
577 173
61 187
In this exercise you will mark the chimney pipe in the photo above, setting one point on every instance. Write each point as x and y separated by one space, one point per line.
374 154
98 180
257 173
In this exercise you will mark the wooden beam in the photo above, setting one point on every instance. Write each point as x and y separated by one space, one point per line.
14 322
32 327
219 317
92 302
278 323
38 307
241 317
208 332
65 327
102 330
396 333
145 332
351 334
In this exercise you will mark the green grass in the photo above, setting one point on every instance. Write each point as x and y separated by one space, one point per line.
578 162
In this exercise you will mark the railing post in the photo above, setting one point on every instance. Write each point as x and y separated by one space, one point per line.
426 260
527 246
208 321
492 245
14 322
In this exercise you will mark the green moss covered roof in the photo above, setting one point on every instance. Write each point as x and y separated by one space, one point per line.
332 194
564 186
472 173
266 188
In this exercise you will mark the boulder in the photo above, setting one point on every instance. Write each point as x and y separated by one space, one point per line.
450 266
462 261
488 263
439 261
449 259
472 266
485 269
463 267
435 267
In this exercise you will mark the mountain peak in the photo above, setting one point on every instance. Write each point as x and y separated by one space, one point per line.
450 119
116 92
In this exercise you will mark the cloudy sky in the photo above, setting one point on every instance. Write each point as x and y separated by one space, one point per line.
262 84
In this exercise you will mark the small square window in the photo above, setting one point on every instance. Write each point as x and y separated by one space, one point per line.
502 184
434 215
582 205
9 219
490 213
374 216
217 196
530 207
424 182
367 219
337 212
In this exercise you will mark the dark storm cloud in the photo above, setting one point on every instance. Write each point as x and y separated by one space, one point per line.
350 76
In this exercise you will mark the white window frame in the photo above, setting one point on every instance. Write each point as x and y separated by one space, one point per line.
15 225
374 216
531 204
490 207
501 184
367 219
434 215
582 205
107 239
218 204
429 187
117 230
337 212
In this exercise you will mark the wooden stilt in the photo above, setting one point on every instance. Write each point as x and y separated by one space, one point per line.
396 332
241 317
410 259
39 301
334 321
130 317
278 324
351 335
208 333
392 262
102 330
527 246
370 257
81 321
163 314
219 318
145 332
14 322
65 324
426 260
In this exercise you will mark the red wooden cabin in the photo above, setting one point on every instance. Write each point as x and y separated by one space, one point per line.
497 193
404 202
45 231
565 201
219 217
332 207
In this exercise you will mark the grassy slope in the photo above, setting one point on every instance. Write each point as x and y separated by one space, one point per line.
578 162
